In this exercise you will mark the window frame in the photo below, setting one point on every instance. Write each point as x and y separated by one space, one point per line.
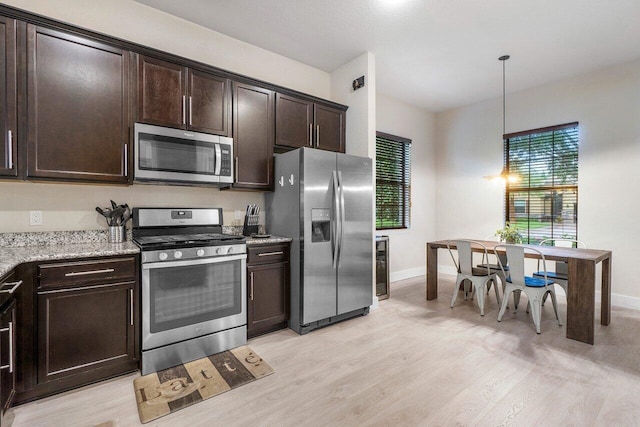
404 208
519 189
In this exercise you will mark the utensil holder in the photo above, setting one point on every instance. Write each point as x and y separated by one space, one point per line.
250 225
117 234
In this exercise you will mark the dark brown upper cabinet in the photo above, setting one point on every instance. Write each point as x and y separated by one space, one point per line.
253 136
77 108
304 123
8 122
176 96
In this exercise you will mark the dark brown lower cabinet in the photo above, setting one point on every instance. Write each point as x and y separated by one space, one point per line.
84 329
268 288
7 357
78 323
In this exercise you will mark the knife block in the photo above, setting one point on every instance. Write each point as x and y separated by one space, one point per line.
250 225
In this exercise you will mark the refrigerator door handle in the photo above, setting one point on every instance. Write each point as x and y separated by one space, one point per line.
342 217
334 226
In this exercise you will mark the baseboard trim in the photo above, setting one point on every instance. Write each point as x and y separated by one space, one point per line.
407 274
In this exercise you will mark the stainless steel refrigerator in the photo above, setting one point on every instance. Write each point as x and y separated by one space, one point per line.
324 202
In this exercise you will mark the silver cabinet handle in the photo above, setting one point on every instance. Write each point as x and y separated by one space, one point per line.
86 273
126 159
10 330
184 110
236 169
16 285
271 253
10 346
190 111
251 292
131 303
317 135
310 135
10 149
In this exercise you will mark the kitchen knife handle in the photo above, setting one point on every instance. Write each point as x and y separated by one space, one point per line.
251 293
184 110
310 135
9 149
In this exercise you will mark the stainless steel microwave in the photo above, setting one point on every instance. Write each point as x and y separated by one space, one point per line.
175 155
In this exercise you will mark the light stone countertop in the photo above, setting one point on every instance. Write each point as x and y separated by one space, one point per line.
10 257
252 241
18 248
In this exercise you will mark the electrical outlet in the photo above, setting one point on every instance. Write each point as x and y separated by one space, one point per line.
237 215
35 217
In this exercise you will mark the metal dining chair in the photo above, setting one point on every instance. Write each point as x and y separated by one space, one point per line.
561 273
495 267
474 279
535 288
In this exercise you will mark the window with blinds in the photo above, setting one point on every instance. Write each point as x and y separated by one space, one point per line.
393 181
543 204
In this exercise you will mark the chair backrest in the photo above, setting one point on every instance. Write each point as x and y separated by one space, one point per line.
563 267
464 260
501 257
515 256
564 243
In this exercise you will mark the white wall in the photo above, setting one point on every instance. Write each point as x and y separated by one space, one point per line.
607 106
71 207
407 247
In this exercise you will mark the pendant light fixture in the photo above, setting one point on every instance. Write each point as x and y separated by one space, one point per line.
504 174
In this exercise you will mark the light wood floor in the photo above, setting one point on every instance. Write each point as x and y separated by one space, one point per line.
410 362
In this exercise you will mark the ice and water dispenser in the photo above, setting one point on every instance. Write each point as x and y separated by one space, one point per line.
320 225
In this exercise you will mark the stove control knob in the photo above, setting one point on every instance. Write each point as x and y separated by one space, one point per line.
162 256
177 254
230 251
220 251
200 252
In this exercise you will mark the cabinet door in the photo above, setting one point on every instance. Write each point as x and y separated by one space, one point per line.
162 93
330 128
7 355
84 329
253 133
268 297
78 108
8 125
209 103
294 121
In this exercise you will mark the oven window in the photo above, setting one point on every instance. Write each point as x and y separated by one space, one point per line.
186 295
161 153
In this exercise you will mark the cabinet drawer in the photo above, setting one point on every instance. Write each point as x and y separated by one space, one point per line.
267 254
89 271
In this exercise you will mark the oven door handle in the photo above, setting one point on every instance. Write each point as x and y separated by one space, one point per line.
199 261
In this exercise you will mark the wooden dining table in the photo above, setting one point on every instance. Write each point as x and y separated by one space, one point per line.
581 287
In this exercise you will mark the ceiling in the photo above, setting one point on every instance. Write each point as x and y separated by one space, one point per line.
436 54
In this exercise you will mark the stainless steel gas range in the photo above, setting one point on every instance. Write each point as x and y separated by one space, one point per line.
193 285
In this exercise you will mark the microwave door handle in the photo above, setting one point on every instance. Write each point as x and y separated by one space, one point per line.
218 162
